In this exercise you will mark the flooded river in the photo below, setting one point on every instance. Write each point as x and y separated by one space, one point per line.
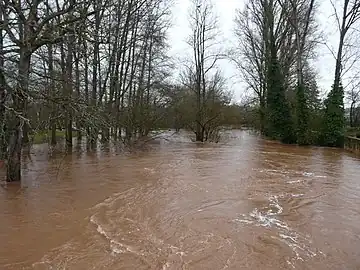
245 203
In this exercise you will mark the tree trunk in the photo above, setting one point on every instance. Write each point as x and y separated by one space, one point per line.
69 89
77 87
15 146
17 122
120 89
95 63
86 86
52 94
3 144
25 136
262 112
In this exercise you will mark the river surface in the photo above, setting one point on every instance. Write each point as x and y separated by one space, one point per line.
244 203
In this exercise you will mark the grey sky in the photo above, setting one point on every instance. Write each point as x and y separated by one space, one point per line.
226 11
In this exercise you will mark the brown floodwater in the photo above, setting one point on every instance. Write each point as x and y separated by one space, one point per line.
244 203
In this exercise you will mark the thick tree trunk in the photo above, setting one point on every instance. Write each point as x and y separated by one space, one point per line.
17 122
14 157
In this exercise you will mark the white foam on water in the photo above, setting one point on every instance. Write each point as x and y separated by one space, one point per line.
243 220
291 172
99 228
274 202
115 246
109 201
263 219
150 170
295 181
166 266
290 263
268 217
297 195
310 174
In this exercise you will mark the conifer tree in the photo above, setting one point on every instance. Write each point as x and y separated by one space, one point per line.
334 119
279 124
302 115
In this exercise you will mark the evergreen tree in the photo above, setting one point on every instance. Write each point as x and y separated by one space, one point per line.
334 119
279 122
302 114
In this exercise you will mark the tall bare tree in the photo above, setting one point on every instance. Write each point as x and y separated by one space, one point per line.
204 44
250 54
353 95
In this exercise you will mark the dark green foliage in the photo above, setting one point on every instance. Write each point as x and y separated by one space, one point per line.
334 121
279 124
302 115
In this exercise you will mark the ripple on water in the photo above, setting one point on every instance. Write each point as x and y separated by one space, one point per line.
269 217
127 233
178 210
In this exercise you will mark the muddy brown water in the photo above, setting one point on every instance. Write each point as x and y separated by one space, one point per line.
245 203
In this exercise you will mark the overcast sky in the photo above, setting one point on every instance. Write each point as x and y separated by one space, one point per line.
226 11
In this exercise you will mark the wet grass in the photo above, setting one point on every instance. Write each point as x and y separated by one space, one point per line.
45 136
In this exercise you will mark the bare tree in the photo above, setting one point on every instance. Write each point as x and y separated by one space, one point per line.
353 95
346 20
100 67
204 28
250 54
300 15
27 28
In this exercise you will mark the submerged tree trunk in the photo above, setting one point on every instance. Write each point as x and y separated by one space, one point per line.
17 120
52 93
78 94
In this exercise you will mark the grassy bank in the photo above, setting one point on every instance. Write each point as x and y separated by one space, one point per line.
45 136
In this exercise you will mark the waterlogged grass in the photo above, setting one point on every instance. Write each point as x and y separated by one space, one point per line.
45 136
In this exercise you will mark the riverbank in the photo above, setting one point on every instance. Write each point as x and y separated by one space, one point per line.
44 136
352 144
